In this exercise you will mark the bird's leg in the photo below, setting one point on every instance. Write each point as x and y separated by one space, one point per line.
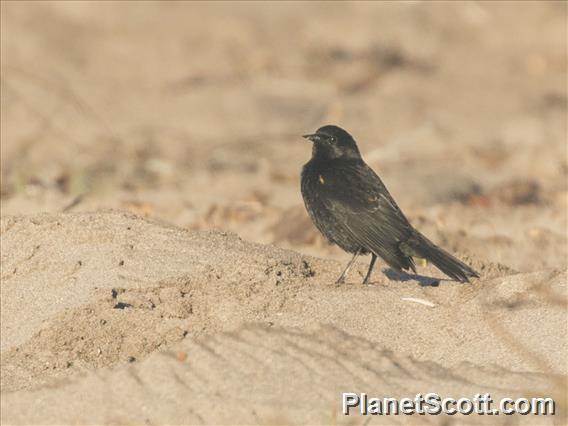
341 278
371 265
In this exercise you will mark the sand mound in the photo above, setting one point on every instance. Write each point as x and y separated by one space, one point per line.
122 299
262 375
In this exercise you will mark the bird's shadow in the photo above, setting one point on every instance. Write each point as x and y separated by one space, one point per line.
423 281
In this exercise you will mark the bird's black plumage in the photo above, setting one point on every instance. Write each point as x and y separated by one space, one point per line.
351 206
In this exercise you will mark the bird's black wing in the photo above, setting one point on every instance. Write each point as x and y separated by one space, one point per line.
359 200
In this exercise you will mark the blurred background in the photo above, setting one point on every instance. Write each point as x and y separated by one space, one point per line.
191 113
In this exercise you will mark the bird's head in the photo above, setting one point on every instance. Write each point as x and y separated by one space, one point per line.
331 142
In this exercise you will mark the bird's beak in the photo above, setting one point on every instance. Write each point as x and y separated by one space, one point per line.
313 137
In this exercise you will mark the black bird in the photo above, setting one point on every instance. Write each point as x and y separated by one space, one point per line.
352 208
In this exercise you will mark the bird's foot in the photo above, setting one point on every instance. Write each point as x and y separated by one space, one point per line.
367 279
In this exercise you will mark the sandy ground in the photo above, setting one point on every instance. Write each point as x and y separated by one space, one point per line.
158 266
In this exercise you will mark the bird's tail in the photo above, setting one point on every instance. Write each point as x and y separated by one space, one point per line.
420 246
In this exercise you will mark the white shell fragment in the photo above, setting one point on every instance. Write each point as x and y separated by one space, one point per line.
420 301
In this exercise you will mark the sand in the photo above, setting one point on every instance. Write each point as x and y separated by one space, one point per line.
218 321
157 264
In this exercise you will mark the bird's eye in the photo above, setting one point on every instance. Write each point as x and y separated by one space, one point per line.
332 139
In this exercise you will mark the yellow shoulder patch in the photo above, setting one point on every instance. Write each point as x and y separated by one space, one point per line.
321 179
